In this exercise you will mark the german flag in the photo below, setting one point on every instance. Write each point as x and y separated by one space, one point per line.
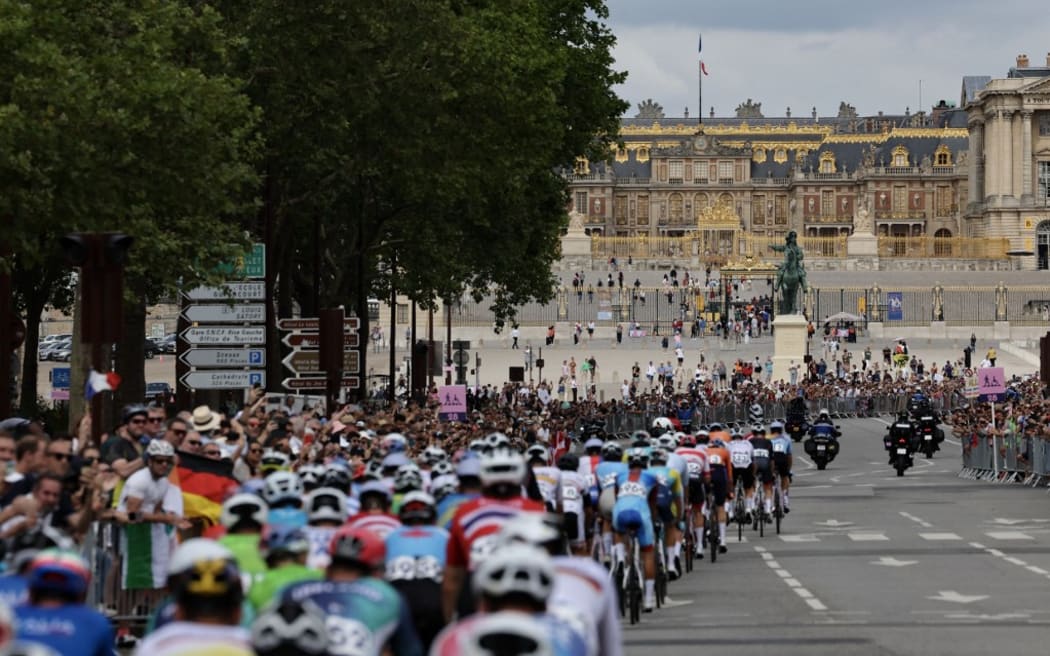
205 484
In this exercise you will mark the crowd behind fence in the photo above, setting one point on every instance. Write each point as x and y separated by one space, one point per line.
1006 458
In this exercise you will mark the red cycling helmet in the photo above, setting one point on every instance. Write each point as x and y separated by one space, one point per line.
356 545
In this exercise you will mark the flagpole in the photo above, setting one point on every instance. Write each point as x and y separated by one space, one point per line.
700 81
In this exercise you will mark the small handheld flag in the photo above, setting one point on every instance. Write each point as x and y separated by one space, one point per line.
703 69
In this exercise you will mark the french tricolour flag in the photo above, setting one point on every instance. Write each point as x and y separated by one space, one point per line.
97 382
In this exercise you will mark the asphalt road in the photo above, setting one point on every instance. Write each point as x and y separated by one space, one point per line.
868 563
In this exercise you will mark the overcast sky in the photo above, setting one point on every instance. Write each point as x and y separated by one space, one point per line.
805 53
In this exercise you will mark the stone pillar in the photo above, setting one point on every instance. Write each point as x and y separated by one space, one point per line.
976 161
990 188
1026 157
1006 184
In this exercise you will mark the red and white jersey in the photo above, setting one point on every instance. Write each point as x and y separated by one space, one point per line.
695 460
472 534
379 523
587 466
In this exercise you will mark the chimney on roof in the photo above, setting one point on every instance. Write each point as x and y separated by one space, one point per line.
789 112
814 113
1048 60
907 111
1022 61
712 111
880 113
687 112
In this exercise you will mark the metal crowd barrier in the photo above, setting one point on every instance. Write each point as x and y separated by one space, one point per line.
1006 459
101 549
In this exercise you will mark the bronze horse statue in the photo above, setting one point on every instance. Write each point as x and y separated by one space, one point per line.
791 274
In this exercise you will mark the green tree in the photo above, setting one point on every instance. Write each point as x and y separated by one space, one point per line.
121 115
429 133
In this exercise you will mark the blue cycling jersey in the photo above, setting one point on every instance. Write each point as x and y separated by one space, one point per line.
13 590
71 630
607 471
291 517
416 553
781 444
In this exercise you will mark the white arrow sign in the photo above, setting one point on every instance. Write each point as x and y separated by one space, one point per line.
223 379
224 357
957 598
220 335
833 523
254 290
221 313
889 561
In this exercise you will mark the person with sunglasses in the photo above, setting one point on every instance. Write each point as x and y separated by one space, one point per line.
123 449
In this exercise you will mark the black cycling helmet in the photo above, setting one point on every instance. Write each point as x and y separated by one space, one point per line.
132 411
569 462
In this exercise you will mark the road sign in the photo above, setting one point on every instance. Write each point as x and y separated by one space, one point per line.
991 380
222 313
460 357
249 290
316 383
308 362
60 377
220 335
350 324
313 340
254 263
228 357
223 379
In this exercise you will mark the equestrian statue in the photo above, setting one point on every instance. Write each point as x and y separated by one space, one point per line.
791 275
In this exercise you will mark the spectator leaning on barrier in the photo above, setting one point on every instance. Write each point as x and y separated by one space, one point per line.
123 449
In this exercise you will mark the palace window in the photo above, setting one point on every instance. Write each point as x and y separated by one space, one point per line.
674 175
581 202
1044 124
900 156
943 156
827 203
780 156
944 201
643 210
827 162
780 210
621 154
758 209
725 172
1044 179
677 209
583 167
900 199
620 209
643 154
759 155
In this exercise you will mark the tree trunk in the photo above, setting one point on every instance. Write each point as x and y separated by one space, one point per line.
131 356
30 365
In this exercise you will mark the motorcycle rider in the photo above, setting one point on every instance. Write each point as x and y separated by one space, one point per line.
904 429
824 426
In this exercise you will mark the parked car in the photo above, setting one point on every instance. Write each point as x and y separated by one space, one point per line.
151 349
167 343
63 352
49 343
153 389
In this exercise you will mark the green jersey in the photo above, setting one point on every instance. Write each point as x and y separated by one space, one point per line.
268 587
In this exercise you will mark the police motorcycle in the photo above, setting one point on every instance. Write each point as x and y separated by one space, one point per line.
900 442
928 434
823 445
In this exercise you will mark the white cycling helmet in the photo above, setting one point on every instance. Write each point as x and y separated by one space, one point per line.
242 507
536 452
160 448
516 569
311 475
536 529
418 505
506 632
326 504
407 478
668 441
661 424
755 413
444 485
274 461
477 446
432 455
394 442
496 441
282 486
502 465
443 468
196 550
292 627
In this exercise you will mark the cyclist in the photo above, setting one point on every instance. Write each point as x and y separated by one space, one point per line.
244 516
695 456
636 497
286 549
605 473
274 461
592 449
517 578
762 459
291 629
375 506
415 563
548 478
408 478
206 586
661 425
575 502
583 595
283 492
782 458
670 502
721 480
23 548
476 522
741 454
468 478
326 511
365 615
56 615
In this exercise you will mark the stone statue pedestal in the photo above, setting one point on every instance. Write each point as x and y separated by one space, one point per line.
576 245
789 345
862 251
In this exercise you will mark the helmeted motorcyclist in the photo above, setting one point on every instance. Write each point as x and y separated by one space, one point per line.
824 426
902 428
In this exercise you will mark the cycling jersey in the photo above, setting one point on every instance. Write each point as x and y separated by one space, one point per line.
193 639
721 473
14 590
573 491
379 523
741 453
292 517
782 453
669 490
415 566
548 479
447 507
584 597
68 629
679 464
474 528
565 641
320 539
631 510
272 582
165 615
245 550
362 617
607 471
695 460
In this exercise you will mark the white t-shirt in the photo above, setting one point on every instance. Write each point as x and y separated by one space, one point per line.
191 638
141 485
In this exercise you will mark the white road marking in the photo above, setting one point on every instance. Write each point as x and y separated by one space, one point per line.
816 605
1037 570
939 536
921 522
791 581
956 597
1008 535
802 537
867 537
889 561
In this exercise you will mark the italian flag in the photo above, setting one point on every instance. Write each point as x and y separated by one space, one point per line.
147 548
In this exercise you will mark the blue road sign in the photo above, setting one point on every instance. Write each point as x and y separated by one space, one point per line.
60 377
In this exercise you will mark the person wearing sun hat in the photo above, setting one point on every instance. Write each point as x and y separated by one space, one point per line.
205 420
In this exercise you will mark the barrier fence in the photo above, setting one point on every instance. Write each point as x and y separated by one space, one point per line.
1021 459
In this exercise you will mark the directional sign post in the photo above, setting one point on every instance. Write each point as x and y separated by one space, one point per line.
313 340
219 357
309 362
318 383
248 290
220 335
223 379
219 313
350 324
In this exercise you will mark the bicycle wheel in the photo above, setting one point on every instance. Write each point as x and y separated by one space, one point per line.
778 511
689 545
634 588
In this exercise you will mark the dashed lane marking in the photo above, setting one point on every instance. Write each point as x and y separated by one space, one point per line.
918 520
940 536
